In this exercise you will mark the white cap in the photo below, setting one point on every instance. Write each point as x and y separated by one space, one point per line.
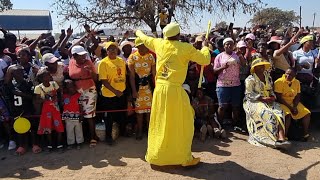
78 50
124 43
49 58
227 40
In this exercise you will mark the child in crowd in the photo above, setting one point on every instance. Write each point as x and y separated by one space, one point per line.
50 118
72 114
205 119
18 94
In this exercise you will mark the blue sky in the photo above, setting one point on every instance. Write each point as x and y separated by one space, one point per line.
240 19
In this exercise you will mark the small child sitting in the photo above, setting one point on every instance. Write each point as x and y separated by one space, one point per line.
205 119
72 114
50 118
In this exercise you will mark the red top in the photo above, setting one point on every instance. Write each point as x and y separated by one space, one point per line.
71 107
80 75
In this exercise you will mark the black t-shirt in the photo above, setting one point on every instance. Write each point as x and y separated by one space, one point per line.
21 104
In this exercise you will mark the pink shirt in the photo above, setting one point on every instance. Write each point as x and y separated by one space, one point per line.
229 77
80 75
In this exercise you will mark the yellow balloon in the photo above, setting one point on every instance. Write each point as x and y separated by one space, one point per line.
22 125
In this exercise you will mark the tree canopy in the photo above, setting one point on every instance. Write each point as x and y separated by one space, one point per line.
137 12
5 5
275 17
222 25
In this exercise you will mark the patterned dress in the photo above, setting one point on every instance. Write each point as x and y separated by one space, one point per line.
50 118
262 119
143 66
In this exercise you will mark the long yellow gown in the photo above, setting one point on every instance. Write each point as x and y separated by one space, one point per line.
172 117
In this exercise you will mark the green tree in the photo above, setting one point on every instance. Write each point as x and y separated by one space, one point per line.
275 17
138 12
5 5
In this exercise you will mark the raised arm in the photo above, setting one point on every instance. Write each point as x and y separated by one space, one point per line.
201 57
65 40
149 42
34 44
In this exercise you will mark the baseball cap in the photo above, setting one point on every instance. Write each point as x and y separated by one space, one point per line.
78 50
250 36
49 58
138 42
275 39
241 44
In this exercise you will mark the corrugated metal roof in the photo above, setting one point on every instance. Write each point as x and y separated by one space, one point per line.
19 19
25 12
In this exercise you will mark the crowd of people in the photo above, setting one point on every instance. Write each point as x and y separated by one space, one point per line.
255 83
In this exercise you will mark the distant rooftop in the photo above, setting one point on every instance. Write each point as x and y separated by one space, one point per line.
25 19
25 12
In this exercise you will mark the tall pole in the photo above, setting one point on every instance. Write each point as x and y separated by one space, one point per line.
300 17
314 18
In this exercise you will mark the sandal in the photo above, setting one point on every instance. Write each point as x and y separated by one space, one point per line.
93 143
223 134
36 149
306 137
20 151
60 149
192 162
217 132
203 133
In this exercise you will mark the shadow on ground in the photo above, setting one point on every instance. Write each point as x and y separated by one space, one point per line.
226 170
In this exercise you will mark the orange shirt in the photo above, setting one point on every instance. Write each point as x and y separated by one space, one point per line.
82 77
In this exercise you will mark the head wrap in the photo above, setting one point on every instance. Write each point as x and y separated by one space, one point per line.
171 30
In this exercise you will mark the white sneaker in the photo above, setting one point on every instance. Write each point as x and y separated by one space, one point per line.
12 145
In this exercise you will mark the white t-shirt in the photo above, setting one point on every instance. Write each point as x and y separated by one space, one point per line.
302 57
3 65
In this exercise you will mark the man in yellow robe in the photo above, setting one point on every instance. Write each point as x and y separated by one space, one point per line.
172 117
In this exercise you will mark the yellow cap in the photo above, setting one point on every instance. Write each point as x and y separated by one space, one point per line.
306 38
171 30
138 42
110 43
259 62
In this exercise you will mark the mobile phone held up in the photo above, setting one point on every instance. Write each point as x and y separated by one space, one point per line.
230 27
63 31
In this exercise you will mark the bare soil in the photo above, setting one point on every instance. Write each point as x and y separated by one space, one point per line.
233 158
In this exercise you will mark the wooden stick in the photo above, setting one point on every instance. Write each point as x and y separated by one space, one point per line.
202 67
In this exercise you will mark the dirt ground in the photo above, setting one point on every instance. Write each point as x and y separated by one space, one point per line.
233 158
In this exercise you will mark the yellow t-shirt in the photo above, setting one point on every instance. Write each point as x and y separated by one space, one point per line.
288 92
114 71
163 19
142 64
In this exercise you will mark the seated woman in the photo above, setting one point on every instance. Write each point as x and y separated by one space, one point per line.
265 119
287 89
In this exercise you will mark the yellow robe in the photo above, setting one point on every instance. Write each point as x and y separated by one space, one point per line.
172 117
